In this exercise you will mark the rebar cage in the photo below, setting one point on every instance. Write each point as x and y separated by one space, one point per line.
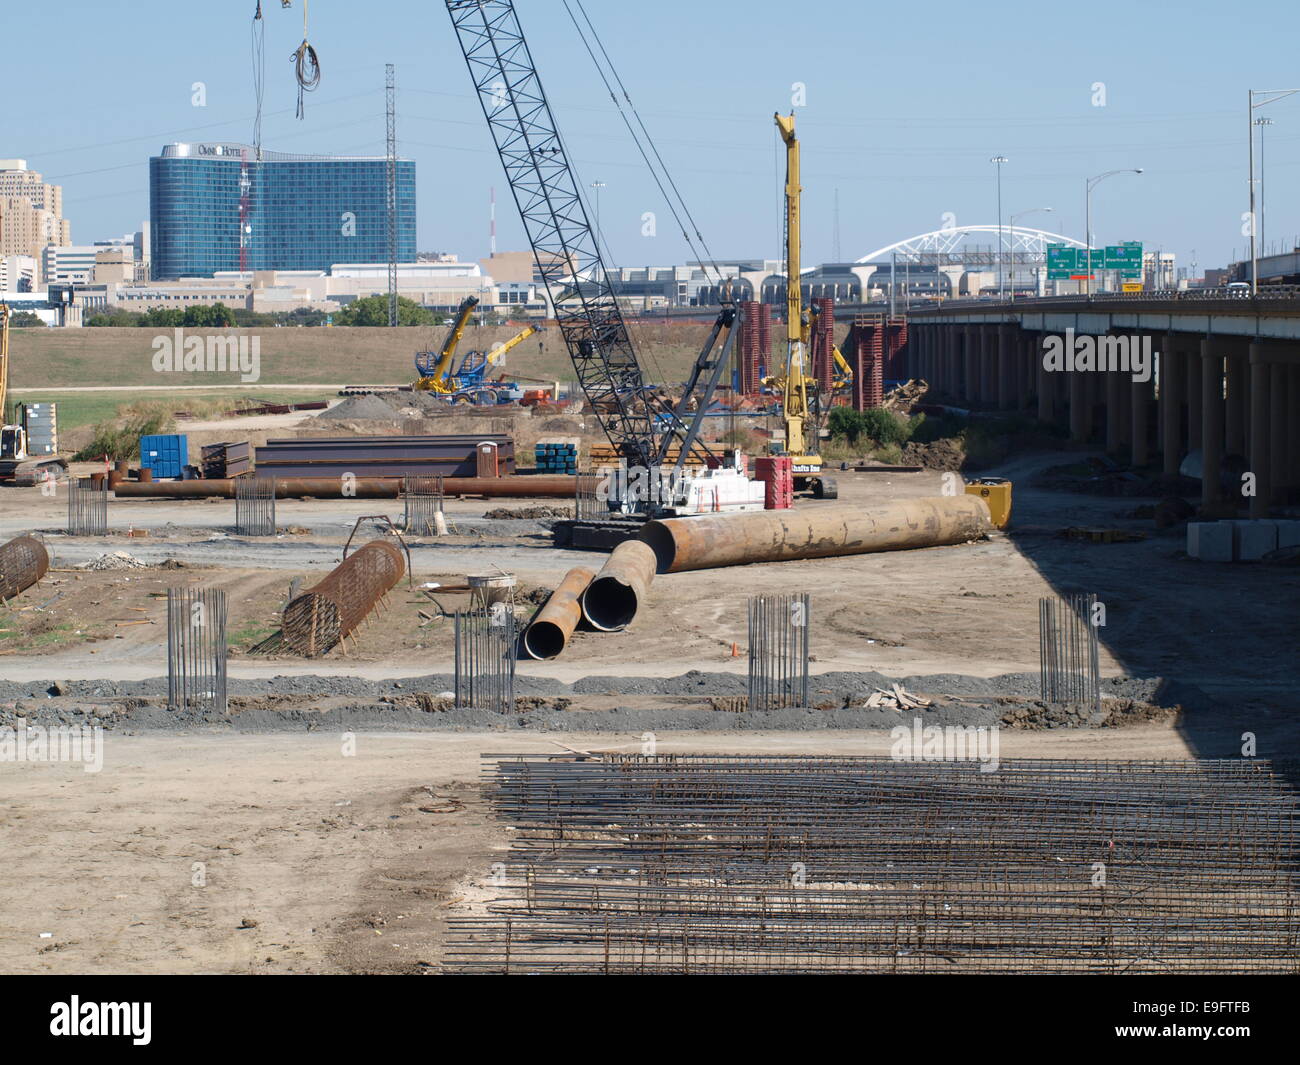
778 651
486 642
255 506
87 507
1068 650
196 649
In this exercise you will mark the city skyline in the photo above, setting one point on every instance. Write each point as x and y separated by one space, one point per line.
902 124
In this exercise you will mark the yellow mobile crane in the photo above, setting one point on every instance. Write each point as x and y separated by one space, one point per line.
794 383
16 465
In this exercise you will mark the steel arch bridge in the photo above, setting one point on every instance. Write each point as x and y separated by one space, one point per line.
1025 244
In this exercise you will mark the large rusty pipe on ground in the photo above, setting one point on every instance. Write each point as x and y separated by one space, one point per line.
320 617
613 598
549 633
707 542
544 487
23 562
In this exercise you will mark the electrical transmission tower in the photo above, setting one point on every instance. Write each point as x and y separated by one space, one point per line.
391 192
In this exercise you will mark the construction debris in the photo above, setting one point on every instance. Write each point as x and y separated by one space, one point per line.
896 698
116 560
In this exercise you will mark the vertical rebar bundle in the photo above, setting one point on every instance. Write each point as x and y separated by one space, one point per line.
1068 651
196 649
87 507
316 621
778 651
23 562
587 504
422 498
255 506
792 864
485 659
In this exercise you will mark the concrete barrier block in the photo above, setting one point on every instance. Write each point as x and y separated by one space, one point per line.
1288 533
1254 539
1210 541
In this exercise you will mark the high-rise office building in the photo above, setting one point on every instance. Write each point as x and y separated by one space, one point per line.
31 211
216 207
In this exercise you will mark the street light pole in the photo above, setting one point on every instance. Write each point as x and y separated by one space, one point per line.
998 160
1261 122
1092 183
1267 96
1011 240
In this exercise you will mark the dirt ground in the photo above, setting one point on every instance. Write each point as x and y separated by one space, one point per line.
207 850
278 854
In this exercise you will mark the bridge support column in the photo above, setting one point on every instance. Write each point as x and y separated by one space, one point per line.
1293 426
1212 412
1046 388
1080 410
1006 367
1195 393
1140 419
1279 473
1234 419
1027 378
1171 405
1113 384
1259 431
970 362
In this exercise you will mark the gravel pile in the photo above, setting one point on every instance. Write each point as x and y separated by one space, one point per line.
360 409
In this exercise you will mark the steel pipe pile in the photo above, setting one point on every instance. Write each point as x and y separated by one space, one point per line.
548 634
348 487
709 541
612 600
316 621
23 562
706 864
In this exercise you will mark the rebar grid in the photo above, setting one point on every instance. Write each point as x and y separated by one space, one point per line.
255 506
711 864
87 507
485 658
196 649
778 651
422 498
1068 651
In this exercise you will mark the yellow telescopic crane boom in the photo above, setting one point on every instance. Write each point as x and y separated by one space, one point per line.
795 399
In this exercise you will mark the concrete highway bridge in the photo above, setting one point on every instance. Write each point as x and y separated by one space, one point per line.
1225 381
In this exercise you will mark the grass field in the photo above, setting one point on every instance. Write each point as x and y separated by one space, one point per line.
51 358
79 409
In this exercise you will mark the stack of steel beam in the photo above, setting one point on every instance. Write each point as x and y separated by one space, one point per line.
729 864
381 456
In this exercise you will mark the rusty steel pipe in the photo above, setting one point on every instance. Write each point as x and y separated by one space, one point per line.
23 562
707 542
542 487
549 633
318 619
613 598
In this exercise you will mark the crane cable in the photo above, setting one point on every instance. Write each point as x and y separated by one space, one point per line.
259 74
306 64
706 259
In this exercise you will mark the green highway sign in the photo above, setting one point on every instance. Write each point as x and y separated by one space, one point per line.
1065 263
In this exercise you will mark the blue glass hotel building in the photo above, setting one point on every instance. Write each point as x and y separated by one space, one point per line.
216 207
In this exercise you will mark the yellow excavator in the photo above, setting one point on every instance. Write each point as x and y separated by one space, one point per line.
793 383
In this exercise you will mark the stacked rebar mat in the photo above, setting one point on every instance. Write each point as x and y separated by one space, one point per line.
703 864
23 562
316 621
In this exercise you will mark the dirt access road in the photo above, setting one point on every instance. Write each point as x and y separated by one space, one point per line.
277 854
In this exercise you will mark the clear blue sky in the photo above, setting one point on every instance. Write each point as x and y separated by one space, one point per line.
906 103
